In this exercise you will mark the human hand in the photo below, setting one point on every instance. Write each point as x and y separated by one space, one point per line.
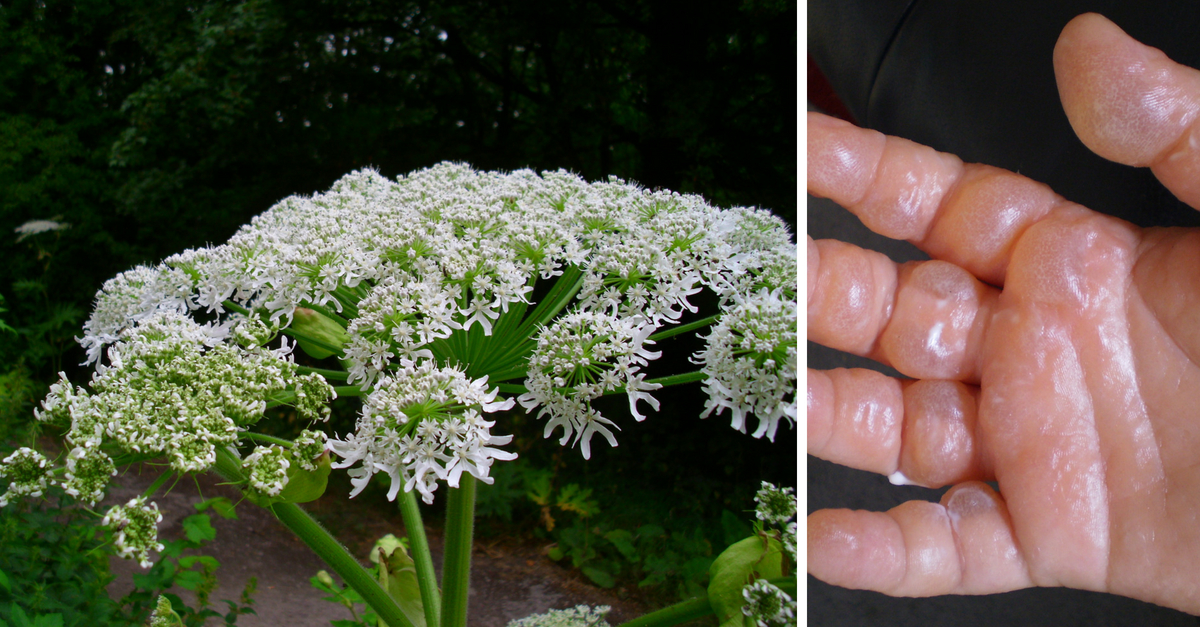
1052 346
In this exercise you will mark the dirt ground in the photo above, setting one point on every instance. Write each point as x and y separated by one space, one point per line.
510 579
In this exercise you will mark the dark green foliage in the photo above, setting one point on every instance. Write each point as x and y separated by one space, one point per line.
51 565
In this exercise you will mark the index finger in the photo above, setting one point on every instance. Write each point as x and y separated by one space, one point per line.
968 214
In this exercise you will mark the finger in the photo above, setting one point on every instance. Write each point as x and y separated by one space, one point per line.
963 545
969 215
1131 104
916 432
926 319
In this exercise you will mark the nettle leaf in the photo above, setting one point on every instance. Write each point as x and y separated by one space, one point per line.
756 557
198 528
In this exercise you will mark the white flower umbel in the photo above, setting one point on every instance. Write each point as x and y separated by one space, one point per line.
422 424
173 387
775 506
751 362
267 469
578 616
88 472
136 527
768 606
444 268
578 359
34 227
27 472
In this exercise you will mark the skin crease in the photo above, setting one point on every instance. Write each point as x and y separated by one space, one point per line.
1057 353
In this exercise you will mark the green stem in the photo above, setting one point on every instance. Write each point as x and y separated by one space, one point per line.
324 545
456 559
158 483
431 600
697 607
349 390
236 308
691 326
335 375
690 609
512 388
269 439
675 379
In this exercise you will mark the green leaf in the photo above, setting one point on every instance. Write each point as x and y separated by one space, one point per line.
398 576
4 583
219 504
555 553
753 558
623 540
48 620
198 528
206 560
189 579
599 577
19 617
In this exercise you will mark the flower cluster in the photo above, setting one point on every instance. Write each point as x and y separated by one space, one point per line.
777 507
27 472
578 616
582 357
87 473
423 424
267 467
768 606
423 287
751 362
172 386
136 526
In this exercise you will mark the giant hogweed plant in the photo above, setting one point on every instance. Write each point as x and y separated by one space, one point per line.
446 296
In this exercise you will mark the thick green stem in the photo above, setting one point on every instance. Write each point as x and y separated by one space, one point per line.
456 561
697 607
690 609
324 545
431 600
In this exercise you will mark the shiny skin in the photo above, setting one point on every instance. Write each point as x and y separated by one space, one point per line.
1053 350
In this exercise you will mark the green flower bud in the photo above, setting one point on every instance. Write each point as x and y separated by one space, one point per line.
320 334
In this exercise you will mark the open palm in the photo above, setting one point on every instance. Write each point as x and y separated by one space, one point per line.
1056 352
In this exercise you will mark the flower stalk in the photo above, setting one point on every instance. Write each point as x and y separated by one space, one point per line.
456 562
431 600
324 545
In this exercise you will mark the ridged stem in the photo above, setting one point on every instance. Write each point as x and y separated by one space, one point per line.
456 561
431 600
